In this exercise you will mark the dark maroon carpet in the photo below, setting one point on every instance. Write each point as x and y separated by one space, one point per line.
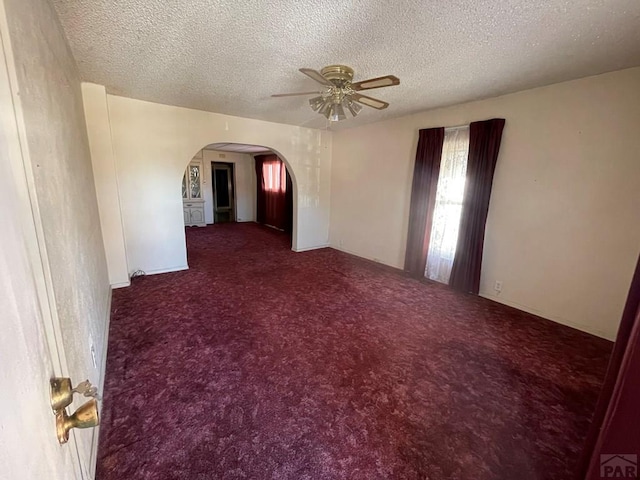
261 363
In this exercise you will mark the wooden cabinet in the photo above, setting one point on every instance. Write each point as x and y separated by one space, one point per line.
192 195
194 214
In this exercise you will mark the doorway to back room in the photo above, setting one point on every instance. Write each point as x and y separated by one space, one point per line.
227 183
223 185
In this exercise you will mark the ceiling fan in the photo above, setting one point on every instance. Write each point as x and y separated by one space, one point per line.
339 92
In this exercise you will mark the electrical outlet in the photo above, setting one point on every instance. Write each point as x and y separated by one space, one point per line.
498 286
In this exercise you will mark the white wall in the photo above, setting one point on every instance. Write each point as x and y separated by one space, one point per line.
27 352
563 231
104 169
152 146
245 182
64 201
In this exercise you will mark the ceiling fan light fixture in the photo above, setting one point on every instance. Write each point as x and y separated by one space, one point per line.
337 113
354 107
316 103
325 109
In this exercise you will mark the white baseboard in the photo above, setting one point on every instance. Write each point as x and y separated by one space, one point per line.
93 458
553 318
372 259
502 300
166 270
306 249
121 285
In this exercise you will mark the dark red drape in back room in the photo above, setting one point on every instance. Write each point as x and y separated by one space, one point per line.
484 145
423 198
274 196
615 428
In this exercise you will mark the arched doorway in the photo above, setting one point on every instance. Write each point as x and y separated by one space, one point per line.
232 182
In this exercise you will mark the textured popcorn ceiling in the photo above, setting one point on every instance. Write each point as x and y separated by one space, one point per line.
228 56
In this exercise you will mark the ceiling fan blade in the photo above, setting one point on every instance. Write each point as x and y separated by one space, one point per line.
295 94
317 76
369 101
386 81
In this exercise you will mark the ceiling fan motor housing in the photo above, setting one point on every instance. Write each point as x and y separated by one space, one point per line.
339 75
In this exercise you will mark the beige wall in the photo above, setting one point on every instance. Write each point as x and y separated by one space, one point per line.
56 144
28 447
563 232
104 169
152 145
245 180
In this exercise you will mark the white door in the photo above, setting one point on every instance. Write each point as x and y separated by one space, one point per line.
29 353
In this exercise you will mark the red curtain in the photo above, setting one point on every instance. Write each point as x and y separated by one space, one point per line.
615 428
274 199
484 145
423 197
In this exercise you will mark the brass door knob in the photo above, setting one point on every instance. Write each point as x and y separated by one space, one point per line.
61 397
61 393
84 417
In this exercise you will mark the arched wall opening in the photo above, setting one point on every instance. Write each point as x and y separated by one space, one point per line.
204 156
140 151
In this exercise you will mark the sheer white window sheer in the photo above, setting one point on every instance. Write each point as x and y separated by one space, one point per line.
448 206
274 174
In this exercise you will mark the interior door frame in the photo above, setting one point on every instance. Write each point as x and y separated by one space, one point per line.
230 166
14 128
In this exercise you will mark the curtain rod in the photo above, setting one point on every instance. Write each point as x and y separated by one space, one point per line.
457 127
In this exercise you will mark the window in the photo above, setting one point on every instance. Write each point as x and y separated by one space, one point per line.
448 206
274 174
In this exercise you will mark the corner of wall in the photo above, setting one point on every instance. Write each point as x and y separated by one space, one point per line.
98 124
